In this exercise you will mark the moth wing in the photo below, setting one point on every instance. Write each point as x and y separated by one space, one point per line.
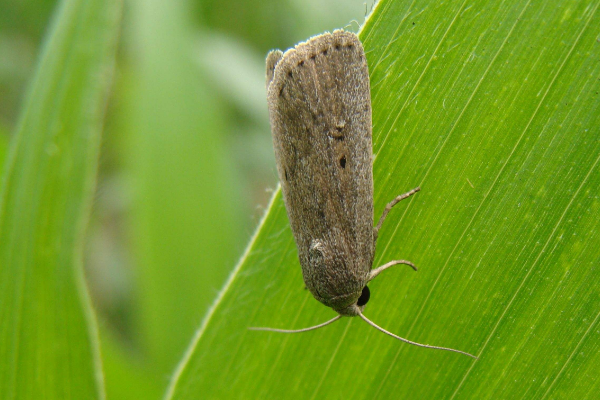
320 112
272 59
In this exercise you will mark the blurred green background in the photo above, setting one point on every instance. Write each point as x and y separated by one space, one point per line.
186 165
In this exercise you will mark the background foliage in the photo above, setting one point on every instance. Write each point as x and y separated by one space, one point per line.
492 108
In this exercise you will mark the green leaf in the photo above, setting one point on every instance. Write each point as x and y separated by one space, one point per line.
493 109
48 337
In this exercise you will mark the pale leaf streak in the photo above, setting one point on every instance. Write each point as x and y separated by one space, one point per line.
425 69
424 303
392 40
575 350
452 48
551 236
418 59
384 57
467 9
326 370
390 67
373 12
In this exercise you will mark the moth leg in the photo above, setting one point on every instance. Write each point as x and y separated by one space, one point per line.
387 210
379 270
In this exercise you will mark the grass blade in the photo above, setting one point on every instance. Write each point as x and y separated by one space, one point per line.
48 338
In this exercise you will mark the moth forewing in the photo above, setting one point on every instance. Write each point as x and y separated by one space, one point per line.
319 105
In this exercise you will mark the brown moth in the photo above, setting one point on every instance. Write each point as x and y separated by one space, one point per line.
320 112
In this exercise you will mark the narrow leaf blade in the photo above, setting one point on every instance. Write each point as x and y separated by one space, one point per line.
48 338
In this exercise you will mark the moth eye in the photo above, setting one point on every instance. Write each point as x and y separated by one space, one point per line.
343 162
364 297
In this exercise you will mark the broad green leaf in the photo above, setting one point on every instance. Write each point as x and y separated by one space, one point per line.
48 338
493 109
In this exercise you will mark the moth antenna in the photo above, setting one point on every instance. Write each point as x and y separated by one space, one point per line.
312 328
411 342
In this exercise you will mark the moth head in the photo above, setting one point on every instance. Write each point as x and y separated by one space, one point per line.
356 307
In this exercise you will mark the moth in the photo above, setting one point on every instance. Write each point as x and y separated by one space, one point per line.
320 112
